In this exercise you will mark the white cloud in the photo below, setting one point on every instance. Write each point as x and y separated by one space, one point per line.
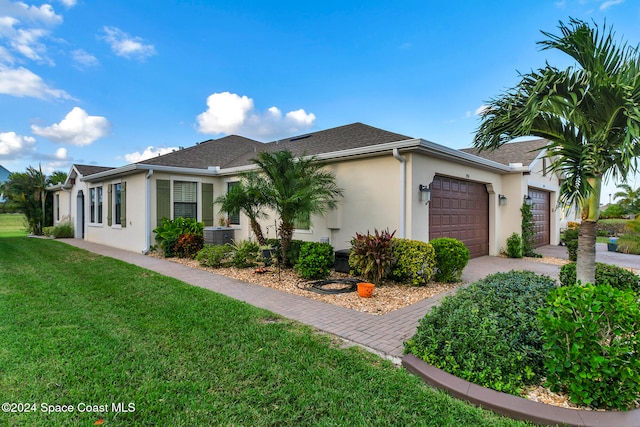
481 109
21 82
77 128
68 3
125 45
148 153
229 113
5 56
610 3
83 58
23 27
13 146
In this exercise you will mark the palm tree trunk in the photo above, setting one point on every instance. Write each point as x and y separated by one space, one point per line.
286 234
257 231
586 259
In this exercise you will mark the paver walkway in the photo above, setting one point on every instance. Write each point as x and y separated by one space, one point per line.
384 335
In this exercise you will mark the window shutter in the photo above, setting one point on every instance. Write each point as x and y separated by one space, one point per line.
109 203
207 204
163 200
123 205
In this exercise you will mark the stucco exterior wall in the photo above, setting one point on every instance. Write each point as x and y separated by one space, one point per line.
131 237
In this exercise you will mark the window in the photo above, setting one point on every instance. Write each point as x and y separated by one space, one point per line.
57 207
117 202
99 192
95 205
234 217
185 199
92 205
302 222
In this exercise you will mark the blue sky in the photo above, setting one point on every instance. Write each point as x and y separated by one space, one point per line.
108 82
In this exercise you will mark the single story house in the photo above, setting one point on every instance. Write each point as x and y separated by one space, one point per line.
421 189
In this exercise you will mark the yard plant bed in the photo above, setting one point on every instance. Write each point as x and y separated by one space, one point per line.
82 328
386 298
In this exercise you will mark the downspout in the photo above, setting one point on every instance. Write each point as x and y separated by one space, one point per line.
403 195
147 212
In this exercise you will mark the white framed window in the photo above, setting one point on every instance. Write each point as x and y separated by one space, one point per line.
95 205
185 199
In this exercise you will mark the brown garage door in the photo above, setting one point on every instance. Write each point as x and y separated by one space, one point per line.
460 209
541 209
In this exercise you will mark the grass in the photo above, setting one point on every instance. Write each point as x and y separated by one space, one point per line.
76 328
12 225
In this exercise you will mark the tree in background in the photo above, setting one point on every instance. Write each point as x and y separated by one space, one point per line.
26 192
588 112
630 198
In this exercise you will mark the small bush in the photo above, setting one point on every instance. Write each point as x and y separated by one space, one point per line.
487 333
414 261
315 260
592 343
292 254
571 240
629 244
514 246
47 231
244 253
188 245
613 211
452 257
213 255
371 255
606 274
169 232
611 228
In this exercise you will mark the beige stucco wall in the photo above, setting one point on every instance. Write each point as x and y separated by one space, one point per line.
133 236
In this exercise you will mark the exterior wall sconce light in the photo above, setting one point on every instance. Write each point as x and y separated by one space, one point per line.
502 200
425 193
528 200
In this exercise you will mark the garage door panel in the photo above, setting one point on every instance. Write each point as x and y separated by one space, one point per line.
460 209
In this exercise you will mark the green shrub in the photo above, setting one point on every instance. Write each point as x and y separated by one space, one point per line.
371 255
612 228
213 255
244 253
188 245
592 343
414 261
528 231
47 231
633 226
63 230
293 253
514 246
571 240
487 333
452 257
613 211
629 244
315 260
168 233
606 274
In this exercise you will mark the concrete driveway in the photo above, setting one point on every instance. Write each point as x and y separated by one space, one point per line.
479 268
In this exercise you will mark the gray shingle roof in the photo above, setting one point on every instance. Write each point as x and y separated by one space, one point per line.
523 152
89 170
233 150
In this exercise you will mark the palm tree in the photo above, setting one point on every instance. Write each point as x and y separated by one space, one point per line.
295 188
590 114
630 198
27 191
246 197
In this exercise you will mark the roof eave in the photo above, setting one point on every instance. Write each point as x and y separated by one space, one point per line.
137 167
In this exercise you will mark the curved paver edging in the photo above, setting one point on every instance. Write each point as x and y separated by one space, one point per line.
518 407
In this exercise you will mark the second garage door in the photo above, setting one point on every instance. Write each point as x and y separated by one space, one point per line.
460 209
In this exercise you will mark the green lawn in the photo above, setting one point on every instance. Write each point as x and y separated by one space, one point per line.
78 328
12 225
